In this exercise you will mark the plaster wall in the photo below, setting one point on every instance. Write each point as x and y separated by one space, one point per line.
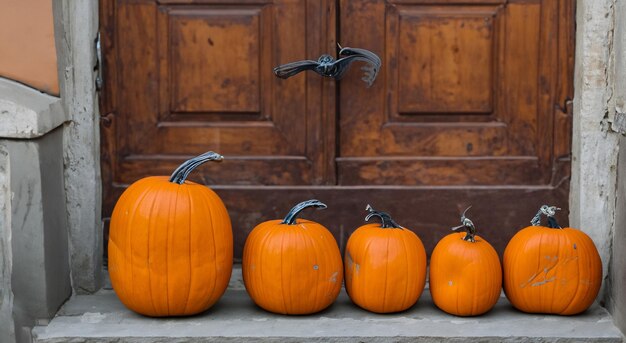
617 268
594 144
27 50
617 303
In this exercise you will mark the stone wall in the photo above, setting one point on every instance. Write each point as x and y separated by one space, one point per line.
34 261
7 325
76 29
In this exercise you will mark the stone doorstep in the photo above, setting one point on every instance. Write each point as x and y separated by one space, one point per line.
102 318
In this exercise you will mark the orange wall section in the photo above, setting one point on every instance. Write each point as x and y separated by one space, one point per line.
27 51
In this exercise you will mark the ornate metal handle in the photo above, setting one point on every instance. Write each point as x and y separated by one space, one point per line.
327 66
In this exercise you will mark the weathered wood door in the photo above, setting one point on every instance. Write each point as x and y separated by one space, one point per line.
470 107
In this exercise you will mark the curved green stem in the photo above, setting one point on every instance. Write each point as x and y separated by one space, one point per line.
180 174
386 222
468 226
290 218
549 212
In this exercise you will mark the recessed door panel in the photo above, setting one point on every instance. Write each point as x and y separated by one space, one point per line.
197 76
466 95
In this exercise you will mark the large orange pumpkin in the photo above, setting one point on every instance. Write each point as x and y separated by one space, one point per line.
465 272
385 265
551 269
170 244
292 266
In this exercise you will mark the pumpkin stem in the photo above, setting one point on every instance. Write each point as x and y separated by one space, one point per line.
468 226
385 218
290 218
180 174
549 212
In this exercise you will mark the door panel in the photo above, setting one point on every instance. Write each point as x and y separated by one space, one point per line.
471 107
467 96
194 77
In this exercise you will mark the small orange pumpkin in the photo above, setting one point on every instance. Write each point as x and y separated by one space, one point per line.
170 244
551 269
465 272
292 266
385 265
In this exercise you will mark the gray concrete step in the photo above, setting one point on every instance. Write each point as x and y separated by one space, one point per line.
235 318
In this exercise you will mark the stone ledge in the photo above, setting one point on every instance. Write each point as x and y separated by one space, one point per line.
102 318
26 112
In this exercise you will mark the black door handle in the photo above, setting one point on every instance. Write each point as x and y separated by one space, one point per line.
327 66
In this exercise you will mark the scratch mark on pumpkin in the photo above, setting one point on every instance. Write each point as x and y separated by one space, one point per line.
333 278
541 276
539 283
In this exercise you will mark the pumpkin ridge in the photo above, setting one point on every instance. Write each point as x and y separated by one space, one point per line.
478 259
285 281
204 294
458 288
162 290
189 257
314 248
129 235
152 218
589 249
584 241
514 285
385 297
282 286
406 259
522 296
167 251
215 262
556 270
574 295
265 239
362 270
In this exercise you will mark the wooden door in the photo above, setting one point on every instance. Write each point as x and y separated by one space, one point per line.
470 107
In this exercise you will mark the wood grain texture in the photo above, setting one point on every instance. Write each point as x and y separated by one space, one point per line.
460 79
444 59
214 57
195 76
470 107
430 211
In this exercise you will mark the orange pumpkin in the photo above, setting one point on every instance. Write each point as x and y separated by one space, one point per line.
465 272
551 269
292 266
385 265
170 244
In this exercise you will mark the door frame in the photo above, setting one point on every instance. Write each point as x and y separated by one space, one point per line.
74 45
